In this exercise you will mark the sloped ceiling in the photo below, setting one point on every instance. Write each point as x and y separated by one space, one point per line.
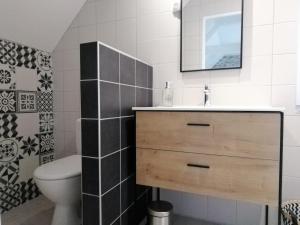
37 23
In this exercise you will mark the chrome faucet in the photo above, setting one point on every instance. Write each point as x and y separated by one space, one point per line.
206 95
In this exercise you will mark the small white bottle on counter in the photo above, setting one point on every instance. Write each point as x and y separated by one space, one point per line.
167 95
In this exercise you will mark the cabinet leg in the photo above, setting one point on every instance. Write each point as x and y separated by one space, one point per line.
267 214
157 194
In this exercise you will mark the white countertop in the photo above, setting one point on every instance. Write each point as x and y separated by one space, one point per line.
212 108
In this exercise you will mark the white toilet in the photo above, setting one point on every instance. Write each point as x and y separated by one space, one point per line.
60 181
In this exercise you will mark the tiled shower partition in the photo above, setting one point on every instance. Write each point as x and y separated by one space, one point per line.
26 120
111 83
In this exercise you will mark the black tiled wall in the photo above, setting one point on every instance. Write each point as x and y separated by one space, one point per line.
110 86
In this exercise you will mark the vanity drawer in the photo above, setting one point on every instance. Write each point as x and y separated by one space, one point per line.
251 135
227 177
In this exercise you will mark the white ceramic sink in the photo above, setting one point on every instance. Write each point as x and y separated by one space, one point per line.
210 108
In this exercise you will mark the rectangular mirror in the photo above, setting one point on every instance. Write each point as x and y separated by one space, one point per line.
211 34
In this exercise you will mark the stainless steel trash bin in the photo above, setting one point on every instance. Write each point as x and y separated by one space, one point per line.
160 213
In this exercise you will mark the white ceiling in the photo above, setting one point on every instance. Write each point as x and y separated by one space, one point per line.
37 23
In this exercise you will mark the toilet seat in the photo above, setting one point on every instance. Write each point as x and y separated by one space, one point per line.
60 169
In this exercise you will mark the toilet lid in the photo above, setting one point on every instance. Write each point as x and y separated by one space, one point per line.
60 169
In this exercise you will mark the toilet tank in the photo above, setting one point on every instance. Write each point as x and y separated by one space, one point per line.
78 136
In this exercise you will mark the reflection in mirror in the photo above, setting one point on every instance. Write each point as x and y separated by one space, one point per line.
211 34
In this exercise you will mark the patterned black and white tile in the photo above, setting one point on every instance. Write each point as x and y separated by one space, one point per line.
9 197
26 120
26 57
7 76
45 101
45 79
27 101
8 125
46 122
8 101
8 52
28 190
46 143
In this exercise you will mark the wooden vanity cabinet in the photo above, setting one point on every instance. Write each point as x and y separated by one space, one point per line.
235 155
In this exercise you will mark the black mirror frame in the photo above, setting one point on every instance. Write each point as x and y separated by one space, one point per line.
229 68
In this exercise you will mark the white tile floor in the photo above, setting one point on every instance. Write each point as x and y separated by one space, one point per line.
36 212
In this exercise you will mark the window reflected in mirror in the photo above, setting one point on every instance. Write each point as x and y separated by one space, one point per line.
211 34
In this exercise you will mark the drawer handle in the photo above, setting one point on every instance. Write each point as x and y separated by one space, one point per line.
199 124
198 166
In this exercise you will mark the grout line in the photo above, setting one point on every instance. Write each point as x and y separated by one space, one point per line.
110 154
99 135
272 57
118 117
88 118
84 193
87 80
129 85
120 139
89 157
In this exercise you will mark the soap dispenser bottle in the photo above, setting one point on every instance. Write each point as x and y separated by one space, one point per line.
167 95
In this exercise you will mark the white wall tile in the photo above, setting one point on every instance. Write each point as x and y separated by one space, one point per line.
225 77
59 121
169 50
70 39
249 213
58 101
257 70
70 121
193 96
71 80
28 124
59 137
106 33
249 95
284 69
291 187
87 15
291 165
71 59
106 11
177 96
292 131
194 206
262 12
70 143
87 33
126 36
148 28
166 72
58 79
285 38
126 9
195 79
154 6
262 40
221 211
285 10
285 96
58 60
71 101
